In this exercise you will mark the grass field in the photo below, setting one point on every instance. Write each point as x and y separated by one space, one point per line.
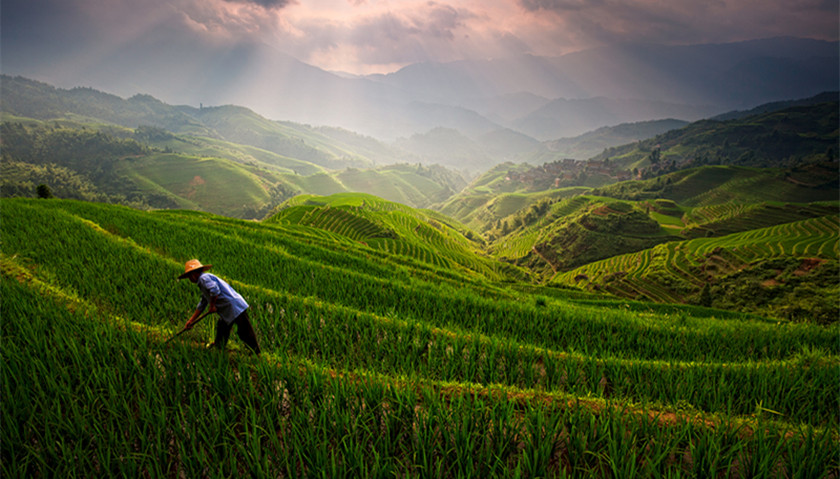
376 363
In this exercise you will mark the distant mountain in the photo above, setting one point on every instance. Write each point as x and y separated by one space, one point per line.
475 97
689 82
824 97
507 144
506 108
467 81
590 144
742 73
86 144
448 147
31 99
564 118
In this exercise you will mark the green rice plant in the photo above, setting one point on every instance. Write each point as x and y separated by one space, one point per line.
435 377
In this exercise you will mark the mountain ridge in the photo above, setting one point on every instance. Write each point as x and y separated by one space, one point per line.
724 76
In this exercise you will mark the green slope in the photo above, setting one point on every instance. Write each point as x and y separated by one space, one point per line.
208 184
119 165
372 361
788 271
123 170
783 138
391 227
712 185
560 235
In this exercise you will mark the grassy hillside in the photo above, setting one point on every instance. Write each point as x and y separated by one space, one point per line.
152 168
375 363
713 185
556 236
31 99
123 170
288 158
486 211
788 271
783 138
587 238
214 147
391 227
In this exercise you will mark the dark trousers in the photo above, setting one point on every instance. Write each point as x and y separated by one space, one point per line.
243 329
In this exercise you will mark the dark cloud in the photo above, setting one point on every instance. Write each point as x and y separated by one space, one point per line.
267 4
660 21
68 36
556 5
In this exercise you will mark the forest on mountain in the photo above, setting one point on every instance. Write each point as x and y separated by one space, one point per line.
756 169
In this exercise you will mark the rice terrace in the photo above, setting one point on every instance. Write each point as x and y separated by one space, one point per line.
381 358
505 239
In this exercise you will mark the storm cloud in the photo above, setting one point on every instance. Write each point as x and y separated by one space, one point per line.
267 4
601 22
364 36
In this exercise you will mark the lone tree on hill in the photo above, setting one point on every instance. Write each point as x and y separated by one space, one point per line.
44 191
655 156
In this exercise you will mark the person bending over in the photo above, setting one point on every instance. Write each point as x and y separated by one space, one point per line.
221 298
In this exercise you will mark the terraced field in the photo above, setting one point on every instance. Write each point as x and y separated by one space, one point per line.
377 364
727 218
479 209
521 243
395 229
686 264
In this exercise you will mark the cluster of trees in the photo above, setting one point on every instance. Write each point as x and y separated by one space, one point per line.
78 148
520 219
782 139
774 288
19 179
74 163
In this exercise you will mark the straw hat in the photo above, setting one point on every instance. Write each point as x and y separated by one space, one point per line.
194 265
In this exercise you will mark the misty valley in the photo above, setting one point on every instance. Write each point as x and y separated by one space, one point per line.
655 297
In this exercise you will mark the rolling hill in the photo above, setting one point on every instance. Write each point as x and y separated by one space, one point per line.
424 235
565 234
225 160
789 270
590 144
630 240
780 138
710 185
26 98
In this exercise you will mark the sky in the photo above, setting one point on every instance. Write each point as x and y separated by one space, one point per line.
51 37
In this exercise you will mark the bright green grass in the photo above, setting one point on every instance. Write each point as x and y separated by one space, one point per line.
217 185
106 398
350 332
393 228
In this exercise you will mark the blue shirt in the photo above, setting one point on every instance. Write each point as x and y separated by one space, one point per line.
229 304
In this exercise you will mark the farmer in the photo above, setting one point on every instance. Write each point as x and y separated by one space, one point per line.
222 299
